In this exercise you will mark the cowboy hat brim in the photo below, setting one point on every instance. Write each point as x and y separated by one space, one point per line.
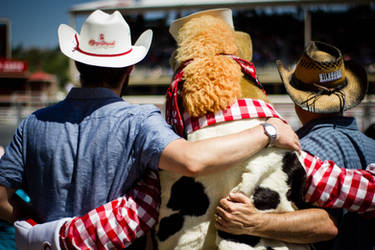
224 13
354 91
67 43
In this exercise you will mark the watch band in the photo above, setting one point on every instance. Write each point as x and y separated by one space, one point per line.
271 132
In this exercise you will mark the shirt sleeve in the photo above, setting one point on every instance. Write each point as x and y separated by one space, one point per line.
329 186
116 224
12 162
155 134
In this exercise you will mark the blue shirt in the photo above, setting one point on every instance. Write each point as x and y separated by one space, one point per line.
338 139
83 151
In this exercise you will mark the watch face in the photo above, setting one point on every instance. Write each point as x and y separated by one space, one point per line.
271 130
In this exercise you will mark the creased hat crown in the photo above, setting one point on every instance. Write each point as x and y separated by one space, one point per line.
105 41
323 82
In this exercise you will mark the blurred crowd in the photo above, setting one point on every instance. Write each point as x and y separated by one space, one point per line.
278 33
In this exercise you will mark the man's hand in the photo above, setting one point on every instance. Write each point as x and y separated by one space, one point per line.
236 214
286 137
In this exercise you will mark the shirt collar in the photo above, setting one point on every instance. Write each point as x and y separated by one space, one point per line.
91 93
334 122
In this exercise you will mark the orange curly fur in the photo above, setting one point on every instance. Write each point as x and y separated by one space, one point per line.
211 84
212 81
205 36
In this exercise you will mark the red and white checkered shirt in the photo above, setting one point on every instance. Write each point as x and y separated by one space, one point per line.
117 223
327 185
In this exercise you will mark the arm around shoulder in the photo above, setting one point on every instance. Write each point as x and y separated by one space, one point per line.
220 153
237 215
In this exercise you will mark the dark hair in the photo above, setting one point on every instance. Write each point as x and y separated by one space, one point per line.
95 76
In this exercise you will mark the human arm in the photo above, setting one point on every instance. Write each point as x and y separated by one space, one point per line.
237 215
118 223
329 186
215 154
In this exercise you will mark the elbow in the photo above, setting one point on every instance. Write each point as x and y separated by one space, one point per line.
328 231
331 232
194 166
193 169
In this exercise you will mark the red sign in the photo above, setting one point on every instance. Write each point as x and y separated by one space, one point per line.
12 66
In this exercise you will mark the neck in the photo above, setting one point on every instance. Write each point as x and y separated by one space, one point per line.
306 116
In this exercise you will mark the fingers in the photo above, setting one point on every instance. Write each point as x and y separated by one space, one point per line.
286 137
238 197
220 222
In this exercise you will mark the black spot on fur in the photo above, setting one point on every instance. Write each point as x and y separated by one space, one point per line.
188 197
296 179
243 238
265 198
269 248
169 226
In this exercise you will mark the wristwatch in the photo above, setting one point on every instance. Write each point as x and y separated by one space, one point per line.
271 132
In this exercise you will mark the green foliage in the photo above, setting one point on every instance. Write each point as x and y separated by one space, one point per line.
51 61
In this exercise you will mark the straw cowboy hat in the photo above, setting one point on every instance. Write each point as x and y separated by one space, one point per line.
224 13
322 82
104 41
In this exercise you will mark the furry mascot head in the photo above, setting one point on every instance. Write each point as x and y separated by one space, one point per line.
212 80
215 92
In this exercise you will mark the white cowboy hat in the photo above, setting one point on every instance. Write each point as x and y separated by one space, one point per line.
224 13
104 41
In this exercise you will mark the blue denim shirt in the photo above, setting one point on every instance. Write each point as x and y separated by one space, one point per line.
83 151
338 139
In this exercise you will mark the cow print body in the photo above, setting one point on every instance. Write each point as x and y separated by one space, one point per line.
273 179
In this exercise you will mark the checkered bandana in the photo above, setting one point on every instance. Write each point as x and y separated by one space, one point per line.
241 109
173 103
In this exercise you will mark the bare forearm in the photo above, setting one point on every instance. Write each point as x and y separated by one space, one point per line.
302 226
212 155
217 154
220 153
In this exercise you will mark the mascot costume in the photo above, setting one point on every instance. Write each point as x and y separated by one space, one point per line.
215 92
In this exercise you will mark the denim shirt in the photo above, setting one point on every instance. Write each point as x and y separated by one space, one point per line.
338 139
83 151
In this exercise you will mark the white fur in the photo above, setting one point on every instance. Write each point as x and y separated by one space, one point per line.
263 168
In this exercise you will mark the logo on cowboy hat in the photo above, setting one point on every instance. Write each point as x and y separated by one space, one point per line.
322 82
113 49
101 42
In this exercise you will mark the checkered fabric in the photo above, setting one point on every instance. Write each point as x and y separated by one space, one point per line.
242 109
119 222
330 186
327 185
173 113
